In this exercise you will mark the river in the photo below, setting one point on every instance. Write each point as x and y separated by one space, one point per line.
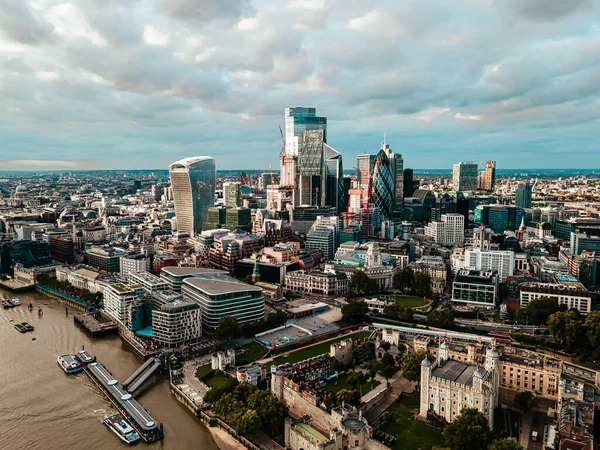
43 408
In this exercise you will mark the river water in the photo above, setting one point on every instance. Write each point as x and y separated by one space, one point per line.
43 408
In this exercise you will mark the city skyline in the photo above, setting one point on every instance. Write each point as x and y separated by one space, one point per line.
143 84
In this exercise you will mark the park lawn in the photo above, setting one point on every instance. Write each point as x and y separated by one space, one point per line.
314 350
203 370
506 423
255 352
216 381
342 383
410 434
409 302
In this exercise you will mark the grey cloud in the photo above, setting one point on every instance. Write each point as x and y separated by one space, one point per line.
547 10
206 10
18 22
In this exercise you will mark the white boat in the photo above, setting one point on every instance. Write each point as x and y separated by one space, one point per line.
15 301
121 428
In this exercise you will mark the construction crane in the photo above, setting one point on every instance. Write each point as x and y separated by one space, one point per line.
282 154
272 177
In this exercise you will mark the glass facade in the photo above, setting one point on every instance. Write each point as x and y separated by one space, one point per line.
523 195
383 189
297 121
193 181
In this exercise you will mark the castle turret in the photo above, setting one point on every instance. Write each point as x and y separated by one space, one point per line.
444 352
426 368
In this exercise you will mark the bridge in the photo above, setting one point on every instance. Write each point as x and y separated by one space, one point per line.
139 377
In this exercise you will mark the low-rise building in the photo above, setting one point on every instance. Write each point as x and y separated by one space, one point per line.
118 300
150 283
177 323
134 263
251 373
564 294
475 288
316 282
223 361
435 267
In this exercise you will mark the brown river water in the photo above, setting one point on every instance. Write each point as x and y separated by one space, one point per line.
41 407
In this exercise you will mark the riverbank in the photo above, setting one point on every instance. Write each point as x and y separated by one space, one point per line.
224 440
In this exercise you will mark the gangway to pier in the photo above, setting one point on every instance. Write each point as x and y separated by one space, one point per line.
137 378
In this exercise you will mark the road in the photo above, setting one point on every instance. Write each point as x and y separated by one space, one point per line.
484 325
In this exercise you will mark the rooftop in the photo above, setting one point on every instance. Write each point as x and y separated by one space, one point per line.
188 271
310 433
219 282
456 371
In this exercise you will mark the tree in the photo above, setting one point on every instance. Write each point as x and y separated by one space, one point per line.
592 323
441 318
422 284
403 279
398 312
540 309
351 397
411 365
227 405
248 279
246 422
360 284
524 400
271 411
386 345
388 360
356 379
470 430
355 311
566 328
228 328
505 444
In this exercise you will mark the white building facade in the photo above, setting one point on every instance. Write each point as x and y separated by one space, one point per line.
450 231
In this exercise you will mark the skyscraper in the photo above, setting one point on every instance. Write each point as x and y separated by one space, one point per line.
408 187
298 120
232 194
464 176
523 195
193 181
365 164
397 171
489 176
383 188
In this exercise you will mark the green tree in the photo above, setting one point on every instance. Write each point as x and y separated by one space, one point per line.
351 397
411 365
592 324
388 360
271 411
360 284
386 345
356 379
422 284
246 422
524 400
228 328
355 311
404 279
469 431
505 444
441 318
398 312
227 405
540 309
566 328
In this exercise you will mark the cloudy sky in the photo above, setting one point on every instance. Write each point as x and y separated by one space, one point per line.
141 83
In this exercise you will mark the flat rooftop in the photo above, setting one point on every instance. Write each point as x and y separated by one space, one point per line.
457 372
219 283
310 433
189 271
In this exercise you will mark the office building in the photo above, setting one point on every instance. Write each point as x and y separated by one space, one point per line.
317 282
118 300
383 189
219 295
174 276
232 194
435 267
62 249
571 296
365 164
193 181
324 236
464 176
177 323
148 281
582 242
489 176
397 171
449 231
27 253
369 259
482 238
409 185
134 263
104 258
230 248
475 288
523 195
501 261
499 218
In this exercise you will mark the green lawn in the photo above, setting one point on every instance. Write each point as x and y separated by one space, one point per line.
216 381
341 383
409 302
506 423
255 352
314 350
203 370
410 433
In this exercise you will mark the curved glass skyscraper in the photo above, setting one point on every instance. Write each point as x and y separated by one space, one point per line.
193 181
382 192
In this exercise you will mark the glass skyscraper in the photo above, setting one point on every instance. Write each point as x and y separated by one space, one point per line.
464 176
384 188
523 195
298 120
193 182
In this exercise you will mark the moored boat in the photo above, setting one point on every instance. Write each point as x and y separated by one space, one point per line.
121 428
15 301
69 364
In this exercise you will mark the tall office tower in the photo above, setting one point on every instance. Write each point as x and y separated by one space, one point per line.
193 181
324 236
409 186
464 176
320 172
450 231
397 170
489 176
298 120
232 193
383 189
523 195
365 164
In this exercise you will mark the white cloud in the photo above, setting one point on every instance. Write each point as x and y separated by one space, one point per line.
369 22
461 116
70 22
430 114
47 76
248 24
14 109
153 36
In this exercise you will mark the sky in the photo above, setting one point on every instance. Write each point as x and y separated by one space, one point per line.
139 84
